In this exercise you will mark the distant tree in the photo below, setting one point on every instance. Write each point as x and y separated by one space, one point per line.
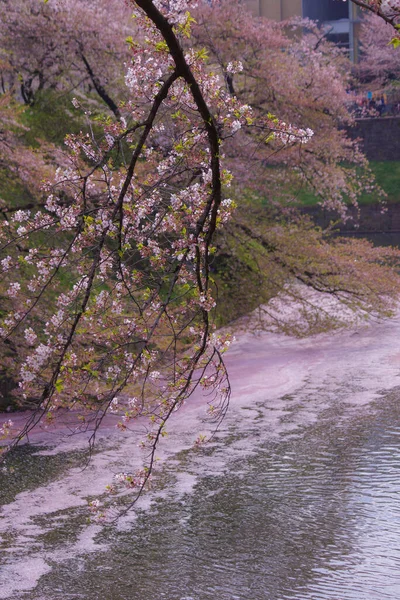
388 10
63 45
380 61
300 279
290 70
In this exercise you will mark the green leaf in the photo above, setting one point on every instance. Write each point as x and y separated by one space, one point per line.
129 40
59 385
161 46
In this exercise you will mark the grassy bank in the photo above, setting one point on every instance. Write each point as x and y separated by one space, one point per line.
387 175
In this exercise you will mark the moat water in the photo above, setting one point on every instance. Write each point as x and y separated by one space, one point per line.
297 497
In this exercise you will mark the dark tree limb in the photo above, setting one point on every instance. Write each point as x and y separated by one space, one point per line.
100 88
366 6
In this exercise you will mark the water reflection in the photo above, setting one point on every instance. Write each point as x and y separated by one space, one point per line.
313 515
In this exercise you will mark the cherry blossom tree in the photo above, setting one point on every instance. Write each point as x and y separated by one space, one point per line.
110 284
290 70
63 45
300 280
108 289
380 64
388 10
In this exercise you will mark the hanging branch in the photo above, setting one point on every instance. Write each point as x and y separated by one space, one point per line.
382 8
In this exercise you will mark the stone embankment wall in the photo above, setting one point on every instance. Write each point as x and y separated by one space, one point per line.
371 218
379 138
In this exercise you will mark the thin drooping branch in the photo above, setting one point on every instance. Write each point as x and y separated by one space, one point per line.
375 8
51 386
202 231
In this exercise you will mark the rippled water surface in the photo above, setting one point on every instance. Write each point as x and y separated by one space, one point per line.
312 515
311 512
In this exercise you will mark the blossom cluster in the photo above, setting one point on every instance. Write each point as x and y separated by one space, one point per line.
389 8
5 429
290 134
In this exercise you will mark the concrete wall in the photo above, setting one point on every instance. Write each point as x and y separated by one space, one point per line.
278 10
271 9
291 8
380 138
